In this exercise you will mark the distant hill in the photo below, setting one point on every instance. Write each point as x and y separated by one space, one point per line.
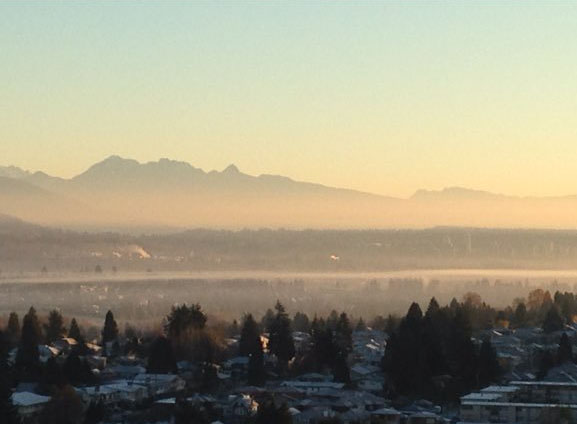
123 193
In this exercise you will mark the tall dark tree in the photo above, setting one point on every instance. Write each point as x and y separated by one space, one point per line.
183 319
553 320
462 355
74 332
109 331
341 370
520 315
13 329
301 322
28 356
361 326
344 335
565 350
489 369
8 411
54 330
281 343
256 370
249 337
161 359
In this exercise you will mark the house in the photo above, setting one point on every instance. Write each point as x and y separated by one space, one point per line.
312 386
159 384
385 416
29 405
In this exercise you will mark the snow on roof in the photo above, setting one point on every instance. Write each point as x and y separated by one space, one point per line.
28 399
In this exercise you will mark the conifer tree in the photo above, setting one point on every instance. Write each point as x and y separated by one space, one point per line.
74 331
281 343
553 320
28 356
54 329
489 368
109 331
249 337
13 329
256 370
8 412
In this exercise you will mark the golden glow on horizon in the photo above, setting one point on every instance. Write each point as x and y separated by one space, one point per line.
385 99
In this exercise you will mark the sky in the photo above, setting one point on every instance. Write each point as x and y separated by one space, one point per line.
385 97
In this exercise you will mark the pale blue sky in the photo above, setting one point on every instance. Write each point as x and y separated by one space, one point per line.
385 97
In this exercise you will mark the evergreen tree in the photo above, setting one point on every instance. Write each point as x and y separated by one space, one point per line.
489 368
161 359
361 326
565 350
267 319
462 356
8 412
28 356
109 333
301 323
13 329
54 329
183 319
249 342
341 371
281 343
74 332
344 335
256 370
553 321
520 316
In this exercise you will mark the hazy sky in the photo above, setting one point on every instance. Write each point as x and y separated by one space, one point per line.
384 97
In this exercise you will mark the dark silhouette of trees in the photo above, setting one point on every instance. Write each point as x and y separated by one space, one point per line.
28 356
13 329
161 359
343 335
281 343
183 319
8 412
520 316
54 330
301 323
74 332
249 342
256 369
553 321
489 368
110 329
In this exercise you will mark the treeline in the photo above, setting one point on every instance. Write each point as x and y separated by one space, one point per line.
362 250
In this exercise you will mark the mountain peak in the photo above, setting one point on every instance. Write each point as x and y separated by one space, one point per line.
13 172
231 169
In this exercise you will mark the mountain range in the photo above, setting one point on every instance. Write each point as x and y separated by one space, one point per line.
124 193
